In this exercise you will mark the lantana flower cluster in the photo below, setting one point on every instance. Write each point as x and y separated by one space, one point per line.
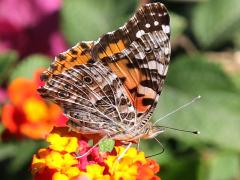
60 161
26 114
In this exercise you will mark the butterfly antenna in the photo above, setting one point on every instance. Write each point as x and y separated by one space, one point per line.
159 152
182 130
178 109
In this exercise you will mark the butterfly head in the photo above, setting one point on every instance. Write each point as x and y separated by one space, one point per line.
152 131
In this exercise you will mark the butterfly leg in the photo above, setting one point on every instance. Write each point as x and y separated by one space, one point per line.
160 151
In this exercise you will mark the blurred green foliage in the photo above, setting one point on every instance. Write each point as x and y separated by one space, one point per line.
212 25
215 22
89 19
29 65
7 61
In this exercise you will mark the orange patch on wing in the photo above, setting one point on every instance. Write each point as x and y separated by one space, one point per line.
132 78
112 48
85 57
120 45
132 75
69 59
139 106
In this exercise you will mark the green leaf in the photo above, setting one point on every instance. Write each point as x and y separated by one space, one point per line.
219 165
178 25
29 65
88 19
214 21
216 115
7 61
195 74
106 145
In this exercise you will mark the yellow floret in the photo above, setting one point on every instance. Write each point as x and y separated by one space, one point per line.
58 143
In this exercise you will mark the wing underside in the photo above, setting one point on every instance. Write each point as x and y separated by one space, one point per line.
92 98
113 85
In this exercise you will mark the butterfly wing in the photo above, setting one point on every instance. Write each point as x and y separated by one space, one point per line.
79 54
139 53
92 97
111 86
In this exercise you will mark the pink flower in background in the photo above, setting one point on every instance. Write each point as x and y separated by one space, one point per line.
3 95
31 26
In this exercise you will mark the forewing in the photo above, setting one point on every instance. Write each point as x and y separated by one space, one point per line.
139 53
79 54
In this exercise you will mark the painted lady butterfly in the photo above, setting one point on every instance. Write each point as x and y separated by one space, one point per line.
111 86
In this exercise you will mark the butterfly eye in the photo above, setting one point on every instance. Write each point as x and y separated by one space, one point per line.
63 94
87 80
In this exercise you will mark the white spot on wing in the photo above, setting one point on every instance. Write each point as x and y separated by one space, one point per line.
147 25
161 69
146 90
156 23
140 55
166 51
152 64
140 33
166 70
166 28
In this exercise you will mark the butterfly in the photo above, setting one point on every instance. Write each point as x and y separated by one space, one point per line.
111 86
